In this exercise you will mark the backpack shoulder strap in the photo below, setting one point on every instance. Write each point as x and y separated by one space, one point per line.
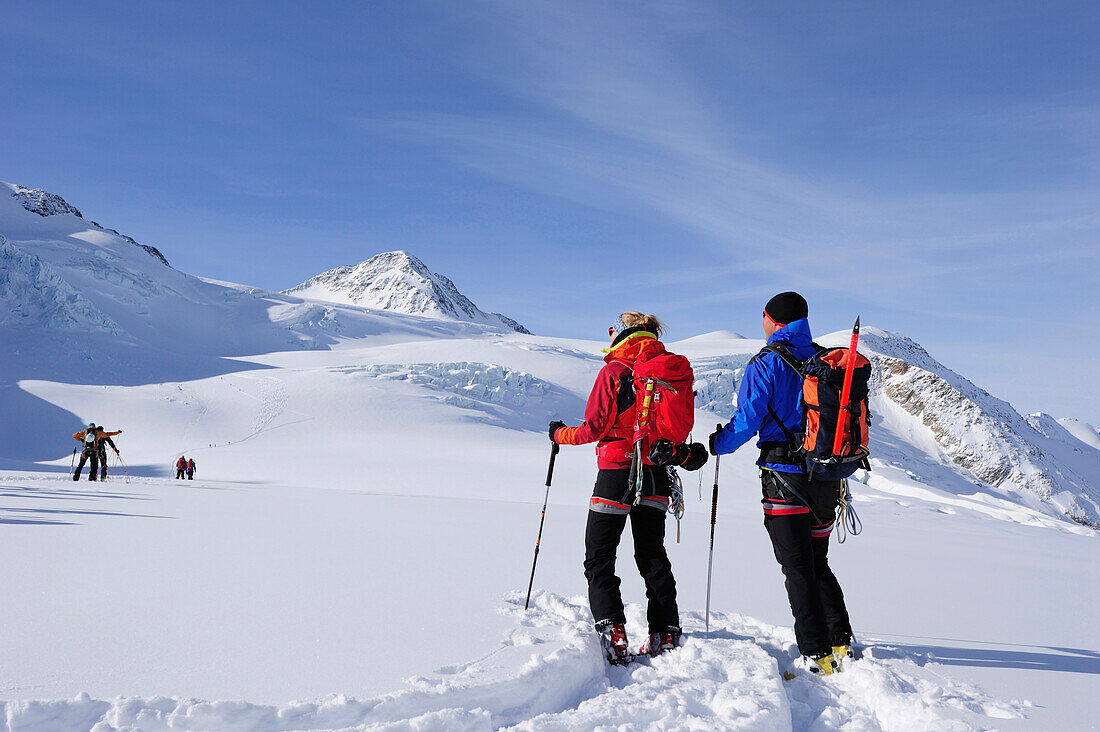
781 350
626 398
791 439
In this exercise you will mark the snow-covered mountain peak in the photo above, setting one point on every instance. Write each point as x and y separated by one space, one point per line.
44 203
400 282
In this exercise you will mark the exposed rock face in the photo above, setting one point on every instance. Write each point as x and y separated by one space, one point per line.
399 282
978 432
44 203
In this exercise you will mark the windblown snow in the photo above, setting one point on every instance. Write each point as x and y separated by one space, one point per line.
354 550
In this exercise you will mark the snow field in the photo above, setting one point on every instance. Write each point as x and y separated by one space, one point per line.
368 490
547 674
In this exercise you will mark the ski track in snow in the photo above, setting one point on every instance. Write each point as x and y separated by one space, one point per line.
548 674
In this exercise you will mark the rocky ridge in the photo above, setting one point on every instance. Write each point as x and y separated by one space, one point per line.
983 435
44 204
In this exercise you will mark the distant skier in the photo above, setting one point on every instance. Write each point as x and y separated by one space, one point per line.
191 469
89 439
103 443
798 511
609 418
181 465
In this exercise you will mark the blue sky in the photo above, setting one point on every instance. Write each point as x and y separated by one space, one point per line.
930 166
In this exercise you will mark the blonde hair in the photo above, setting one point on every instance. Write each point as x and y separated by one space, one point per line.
634 319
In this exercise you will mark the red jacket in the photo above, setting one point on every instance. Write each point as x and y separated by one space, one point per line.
609 413
181 464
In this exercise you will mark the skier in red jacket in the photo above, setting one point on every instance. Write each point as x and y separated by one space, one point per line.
608 421
181 465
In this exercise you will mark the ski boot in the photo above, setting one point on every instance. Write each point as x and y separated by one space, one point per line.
613 640
658 643
823 665
842 654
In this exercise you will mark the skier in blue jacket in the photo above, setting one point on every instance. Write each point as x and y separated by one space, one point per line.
798 511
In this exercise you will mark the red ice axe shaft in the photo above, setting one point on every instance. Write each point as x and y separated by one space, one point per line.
846 392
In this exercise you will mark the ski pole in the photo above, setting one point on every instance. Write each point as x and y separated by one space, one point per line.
846 392
125 470
713 519
538 541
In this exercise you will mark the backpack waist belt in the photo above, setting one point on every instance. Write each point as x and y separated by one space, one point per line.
778 453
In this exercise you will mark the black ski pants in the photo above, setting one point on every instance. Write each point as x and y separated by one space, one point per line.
801 545
179 473
601 541
103 464
86 456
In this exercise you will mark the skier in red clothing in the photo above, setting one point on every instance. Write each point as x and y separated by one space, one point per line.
181 465
191 469
609 417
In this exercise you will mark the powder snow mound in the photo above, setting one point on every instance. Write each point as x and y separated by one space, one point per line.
398 282
1036 459
548 673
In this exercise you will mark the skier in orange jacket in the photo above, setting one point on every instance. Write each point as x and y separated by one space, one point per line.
90 439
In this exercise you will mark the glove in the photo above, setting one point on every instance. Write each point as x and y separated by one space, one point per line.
554 427
664 452
713 437
697 457
688 457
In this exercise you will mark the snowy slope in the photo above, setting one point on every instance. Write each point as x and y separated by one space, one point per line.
368 491
44 204
361 554
62 274
83 304
1028 459
400 283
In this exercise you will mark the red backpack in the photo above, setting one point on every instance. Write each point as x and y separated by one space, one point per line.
664 408
665 401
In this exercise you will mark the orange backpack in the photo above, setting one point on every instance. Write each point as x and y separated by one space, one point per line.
822 380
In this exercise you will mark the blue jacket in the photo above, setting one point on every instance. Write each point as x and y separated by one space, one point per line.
768 380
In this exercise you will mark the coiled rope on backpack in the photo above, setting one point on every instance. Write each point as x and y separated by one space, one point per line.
676 500
847 520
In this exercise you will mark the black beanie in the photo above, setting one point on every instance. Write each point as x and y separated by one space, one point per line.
787 307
